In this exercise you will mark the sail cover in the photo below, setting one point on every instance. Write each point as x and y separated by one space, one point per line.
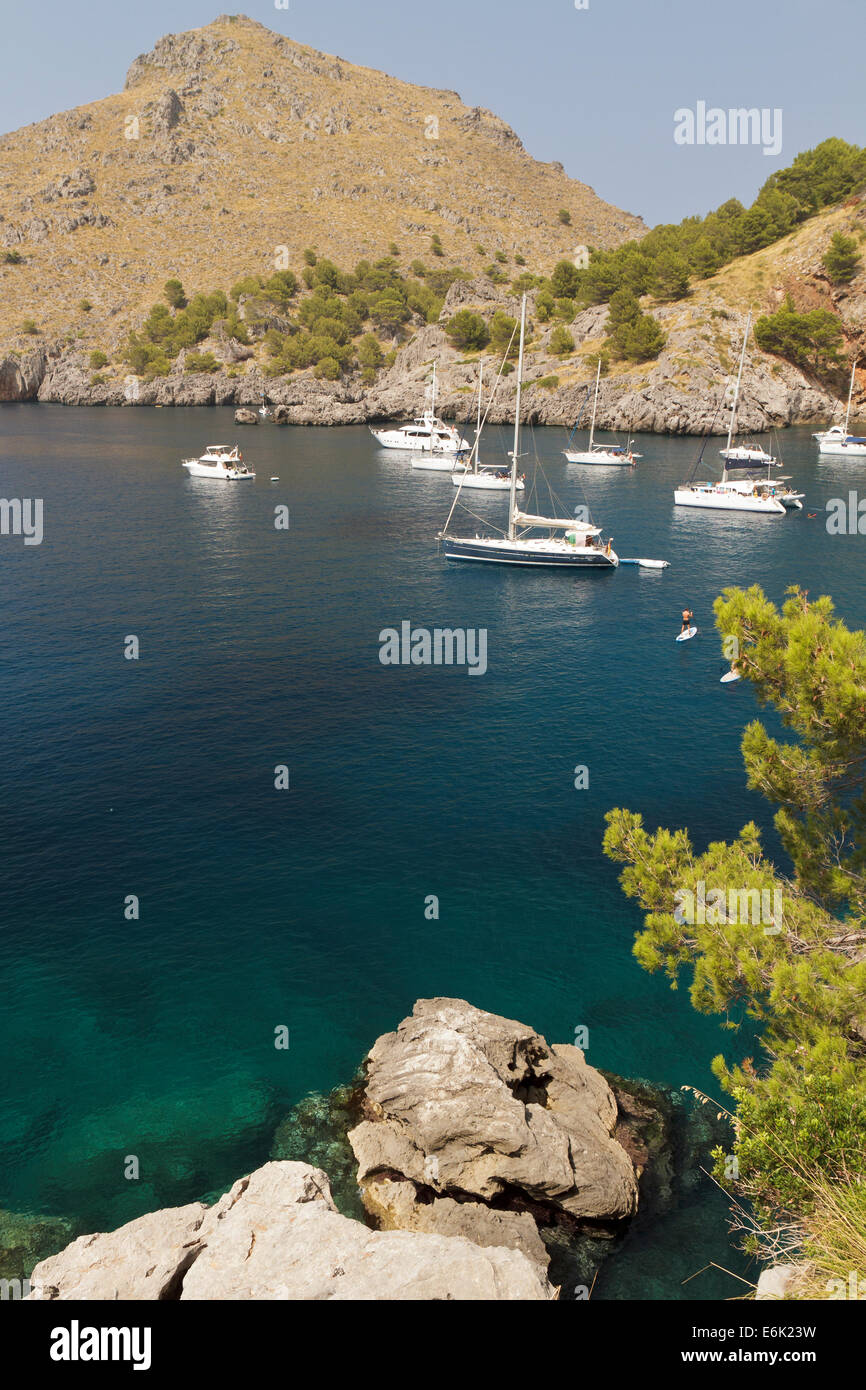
557 523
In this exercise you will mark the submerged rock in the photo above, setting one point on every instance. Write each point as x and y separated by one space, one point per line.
316 1131
278 1235
27 1239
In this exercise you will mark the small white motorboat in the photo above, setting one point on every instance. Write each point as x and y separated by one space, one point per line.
224 462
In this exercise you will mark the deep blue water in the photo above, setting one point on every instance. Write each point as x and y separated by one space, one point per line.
306 908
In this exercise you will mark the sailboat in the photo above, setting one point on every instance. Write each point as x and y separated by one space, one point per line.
600 453
488 477
578 547
737 495
427 435
837 440
263 408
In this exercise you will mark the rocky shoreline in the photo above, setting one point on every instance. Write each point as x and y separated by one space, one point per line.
470 1160
680 393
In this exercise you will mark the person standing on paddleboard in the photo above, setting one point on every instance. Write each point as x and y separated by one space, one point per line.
687 619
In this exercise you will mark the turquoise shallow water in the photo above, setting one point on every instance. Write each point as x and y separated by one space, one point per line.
306 908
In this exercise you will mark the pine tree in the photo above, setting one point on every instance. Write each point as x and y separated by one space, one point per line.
800 968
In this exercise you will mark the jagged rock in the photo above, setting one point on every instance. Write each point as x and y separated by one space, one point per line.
145 1259
21 377
78 184
167 113
464 1104
246 417
278 1235
399 1206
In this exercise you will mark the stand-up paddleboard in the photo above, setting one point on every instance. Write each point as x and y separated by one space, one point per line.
684 636
730 676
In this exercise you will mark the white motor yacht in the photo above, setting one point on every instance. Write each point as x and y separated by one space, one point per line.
222 461
426 434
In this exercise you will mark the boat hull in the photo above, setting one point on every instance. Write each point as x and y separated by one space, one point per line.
727 502
488 483
395 439
539 554
440 463
600 458
841 449
219 475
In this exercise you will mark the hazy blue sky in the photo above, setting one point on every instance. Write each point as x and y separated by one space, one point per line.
595 88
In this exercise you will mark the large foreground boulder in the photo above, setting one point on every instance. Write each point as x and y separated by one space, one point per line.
278 1235
475 1124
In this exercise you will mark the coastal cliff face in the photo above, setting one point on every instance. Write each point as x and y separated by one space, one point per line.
478 1147
680 393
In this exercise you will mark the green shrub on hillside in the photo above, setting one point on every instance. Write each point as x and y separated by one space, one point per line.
174 295
811 341
816 179
200 362
503 334
634 335
561 342
467 330
841 259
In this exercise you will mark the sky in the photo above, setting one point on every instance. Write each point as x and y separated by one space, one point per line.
595 87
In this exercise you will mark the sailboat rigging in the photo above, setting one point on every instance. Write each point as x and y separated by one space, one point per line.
578 547
739 494
837 440
599 453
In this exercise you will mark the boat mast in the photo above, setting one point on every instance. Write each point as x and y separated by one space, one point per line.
594 405
850 394
735 401
512 508
478 422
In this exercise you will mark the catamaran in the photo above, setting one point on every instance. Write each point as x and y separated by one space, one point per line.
740 494
222 461
599 453
485 476
579 546
427 434
837 440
